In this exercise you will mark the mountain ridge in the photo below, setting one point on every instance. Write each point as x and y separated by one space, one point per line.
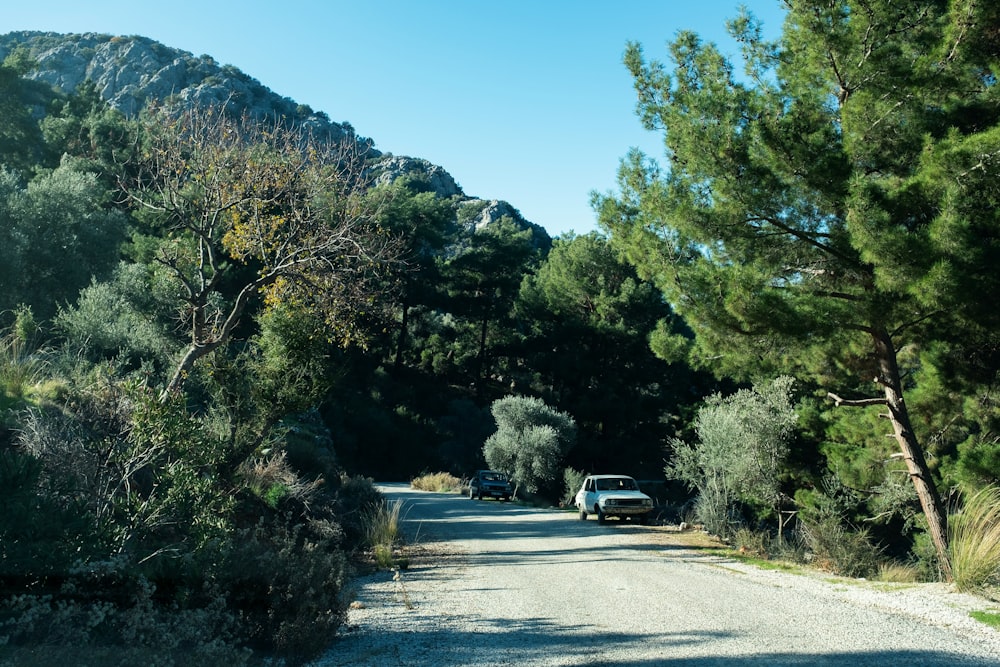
130 71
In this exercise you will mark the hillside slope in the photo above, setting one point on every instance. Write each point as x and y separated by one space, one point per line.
130 72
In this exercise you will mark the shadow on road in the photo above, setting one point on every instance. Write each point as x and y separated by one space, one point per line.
448 624
430 518
539 641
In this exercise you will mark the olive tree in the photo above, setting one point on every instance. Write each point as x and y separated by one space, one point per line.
740 451
530 442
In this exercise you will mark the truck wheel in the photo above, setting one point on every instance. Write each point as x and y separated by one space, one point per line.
583 514
601 518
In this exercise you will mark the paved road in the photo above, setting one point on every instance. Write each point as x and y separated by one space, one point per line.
500 584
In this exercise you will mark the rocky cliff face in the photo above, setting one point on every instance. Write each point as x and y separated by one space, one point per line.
130 72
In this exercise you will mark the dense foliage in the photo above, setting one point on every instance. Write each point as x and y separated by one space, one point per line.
531 441
217 329
826 211
739 455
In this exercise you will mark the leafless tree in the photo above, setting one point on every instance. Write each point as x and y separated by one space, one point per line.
292 206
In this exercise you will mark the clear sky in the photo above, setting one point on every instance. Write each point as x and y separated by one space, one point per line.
522 100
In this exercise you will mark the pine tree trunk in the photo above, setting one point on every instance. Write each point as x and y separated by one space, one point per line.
913 454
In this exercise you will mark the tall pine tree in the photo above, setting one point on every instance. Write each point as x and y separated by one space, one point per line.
823 210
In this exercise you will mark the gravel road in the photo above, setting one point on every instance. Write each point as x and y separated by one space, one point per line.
498 584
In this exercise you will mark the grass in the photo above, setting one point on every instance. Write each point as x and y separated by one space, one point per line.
990 618
19 368
442 482
382 533
898 573
974 541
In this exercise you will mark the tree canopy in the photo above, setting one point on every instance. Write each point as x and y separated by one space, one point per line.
530 442
794 225
222 192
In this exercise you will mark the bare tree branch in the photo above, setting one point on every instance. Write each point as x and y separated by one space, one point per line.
855 403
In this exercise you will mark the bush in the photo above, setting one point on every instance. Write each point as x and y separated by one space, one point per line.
104 616
712 509
443 482
836 548
741 447
287 579
573 480
220 553
530 442
924 558
120 319
751 542
354 499
974 541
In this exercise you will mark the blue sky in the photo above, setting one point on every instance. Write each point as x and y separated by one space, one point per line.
521 100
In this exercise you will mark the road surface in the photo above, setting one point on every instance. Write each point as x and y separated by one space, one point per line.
495 583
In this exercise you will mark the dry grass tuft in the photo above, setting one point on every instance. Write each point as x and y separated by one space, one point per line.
974 541
273 479
898 573
442 482
382 532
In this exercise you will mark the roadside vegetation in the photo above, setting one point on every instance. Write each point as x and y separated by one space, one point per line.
788 328
441 482
382 534
975 542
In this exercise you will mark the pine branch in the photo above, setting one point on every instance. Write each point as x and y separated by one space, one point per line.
855 403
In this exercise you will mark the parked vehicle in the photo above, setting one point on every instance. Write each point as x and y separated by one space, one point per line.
490 484
613 496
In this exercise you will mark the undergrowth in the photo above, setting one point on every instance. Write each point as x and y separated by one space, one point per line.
974 541
383 534
441 482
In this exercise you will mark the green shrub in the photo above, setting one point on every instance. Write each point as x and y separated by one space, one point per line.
115 471
355 497
530 442
843 551
120 319
974 541
309 445
572 481
39 535
287 579
104 616
924 558
752 543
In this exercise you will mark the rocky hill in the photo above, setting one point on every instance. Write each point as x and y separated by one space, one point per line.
130 72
